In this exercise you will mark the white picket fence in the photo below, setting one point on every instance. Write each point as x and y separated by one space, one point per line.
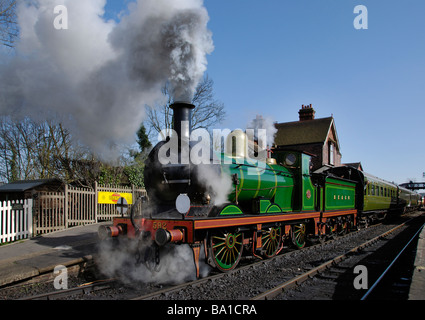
16 221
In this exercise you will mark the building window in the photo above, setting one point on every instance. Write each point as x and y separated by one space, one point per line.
331 154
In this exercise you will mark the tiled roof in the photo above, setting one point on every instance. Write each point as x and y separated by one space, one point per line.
303 132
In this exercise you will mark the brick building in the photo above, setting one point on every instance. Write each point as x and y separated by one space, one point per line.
317 137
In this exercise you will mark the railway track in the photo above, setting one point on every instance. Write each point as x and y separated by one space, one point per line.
342 266
79 290
289 281
392 283
254 280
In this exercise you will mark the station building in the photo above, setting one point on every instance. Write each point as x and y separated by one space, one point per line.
317 137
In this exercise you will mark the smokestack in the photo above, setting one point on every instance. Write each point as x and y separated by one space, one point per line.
182 122
182 125
306 113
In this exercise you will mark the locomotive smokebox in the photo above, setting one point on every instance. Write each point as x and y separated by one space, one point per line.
166 180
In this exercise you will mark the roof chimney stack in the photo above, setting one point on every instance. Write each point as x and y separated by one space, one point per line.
306 113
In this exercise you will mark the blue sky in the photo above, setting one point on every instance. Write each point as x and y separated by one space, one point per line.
273 56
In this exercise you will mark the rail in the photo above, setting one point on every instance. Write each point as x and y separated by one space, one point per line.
372 288
82 289
332 262
164 293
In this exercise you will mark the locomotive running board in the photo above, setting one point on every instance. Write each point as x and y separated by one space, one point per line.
252 220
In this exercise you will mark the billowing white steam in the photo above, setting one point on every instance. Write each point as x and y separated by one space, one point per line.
97 76
176 264
268 133
218 183
263 131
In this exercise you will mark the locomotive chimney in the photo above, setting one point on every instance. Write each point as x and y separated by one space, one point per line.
182 119
306 113
182 124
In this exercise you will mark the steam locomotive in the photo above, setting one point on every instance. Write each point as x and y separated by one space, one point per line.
268 203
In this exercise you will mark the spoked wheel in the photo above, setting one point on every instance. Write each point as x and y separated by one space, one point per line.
225 249
271 240
299 235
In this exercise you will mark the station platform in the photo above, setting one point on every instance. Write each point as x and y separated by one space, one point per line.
417 287
25 259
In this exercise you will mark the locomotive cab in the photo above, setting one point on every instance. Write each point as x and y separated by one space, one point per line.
299 164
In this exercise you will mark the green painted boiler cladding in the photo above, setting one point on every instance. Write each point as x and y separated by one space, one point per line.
283 184
271 185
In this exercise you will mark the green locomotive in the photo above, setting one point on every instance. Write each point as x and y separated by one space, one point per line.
268 203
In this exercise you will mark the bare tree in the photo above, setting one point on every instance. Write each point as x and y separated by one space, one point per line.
9 30
41 150
38 150
207 112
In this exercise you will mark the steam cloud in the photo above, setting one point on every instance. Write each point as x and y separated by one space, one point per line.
268 125
97 76
176 264
218 183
